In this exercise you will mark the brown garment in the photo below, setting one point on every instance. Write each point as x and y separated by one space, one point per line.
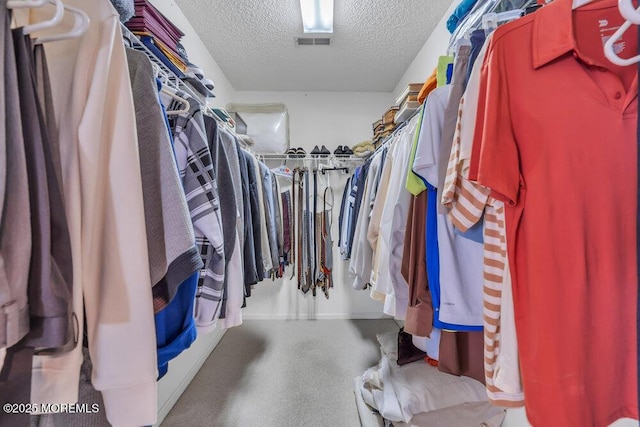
462 353
419 320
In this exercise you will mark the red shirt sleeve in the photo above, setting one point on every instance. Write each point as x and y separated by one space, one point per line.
494 157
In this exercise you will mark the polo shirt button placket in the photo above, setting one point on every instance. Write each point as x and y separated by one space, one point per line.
618 95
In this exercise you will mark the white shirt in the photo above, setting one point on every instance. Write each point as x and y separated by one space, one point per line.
461 259
105 212
378 288
393 224
361 252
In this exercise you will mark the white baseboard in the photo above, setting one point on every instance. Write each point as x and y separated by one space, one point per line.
182 370
317 316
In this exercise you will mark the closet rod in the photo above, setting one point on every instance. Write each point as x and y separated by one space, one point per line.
309 157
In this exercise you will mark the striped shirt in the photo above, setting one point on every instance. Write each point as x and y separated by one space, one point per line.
467 202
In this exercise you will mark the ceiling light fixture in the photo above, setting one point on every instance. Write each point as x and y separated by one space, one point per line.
317 16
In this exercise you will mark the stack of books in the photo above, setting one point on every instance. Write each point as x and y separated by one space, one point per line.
408 102
159 34
383 127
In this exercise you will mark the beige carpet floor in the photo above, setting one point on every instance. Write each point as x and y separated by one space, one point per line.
282 373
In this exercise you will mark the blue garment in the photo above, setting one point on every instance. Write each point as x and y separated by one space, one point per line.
148 41
460 12
362 177
477 40
449 73
433 262
175 325
270 213
475 233
343 206
351 201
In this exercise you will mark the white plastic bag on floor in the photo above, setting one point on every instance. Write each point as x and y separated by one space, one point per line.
379 393
400 392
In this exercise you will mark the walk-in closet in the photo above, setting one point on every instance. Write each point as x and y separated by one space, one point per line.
323 213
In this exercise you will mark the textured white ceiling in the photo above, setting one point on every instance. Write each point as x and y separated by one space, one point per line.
373 43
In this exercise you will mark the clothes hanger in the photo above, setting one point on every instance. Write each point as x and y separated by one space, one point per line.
628 11
167 90
490 20
39 26
609 51
80 26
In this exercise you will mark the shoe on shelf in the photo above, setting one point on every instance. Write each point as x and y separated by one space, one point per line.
324 151
346 151
315 151
338 151
291 152
300 152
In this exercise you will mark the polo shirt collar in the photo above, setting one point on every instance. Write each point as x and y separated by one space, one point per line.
553 31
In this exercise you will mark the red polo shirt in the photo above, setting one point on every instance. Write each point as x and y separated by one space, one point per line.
556 140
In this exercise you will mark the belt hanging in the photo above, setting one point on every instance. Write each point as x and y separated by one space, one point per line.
307 235
293 224
326 239
301 229
315 228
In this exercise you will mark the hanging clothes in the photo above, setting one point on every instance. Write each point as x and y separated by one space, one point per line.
50 289
105 213
587 303
456 89
173 255
419 319
195 166
468 202
254 201
248 256
270 213
232 207
394 215
267 263
378 289
454 264
15 241
362 253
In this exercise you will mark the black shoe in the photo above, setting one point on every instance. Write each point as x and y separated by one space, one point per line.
324 152
300 152
347 151
315 151
338 151
291 152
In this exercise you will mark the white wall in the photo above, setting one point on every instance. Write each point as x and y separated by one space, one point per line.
198 52
281 299
427 59
329 118
332 119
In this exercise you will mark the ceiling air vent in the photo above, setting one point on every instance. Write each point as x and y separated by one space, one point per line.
313 41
